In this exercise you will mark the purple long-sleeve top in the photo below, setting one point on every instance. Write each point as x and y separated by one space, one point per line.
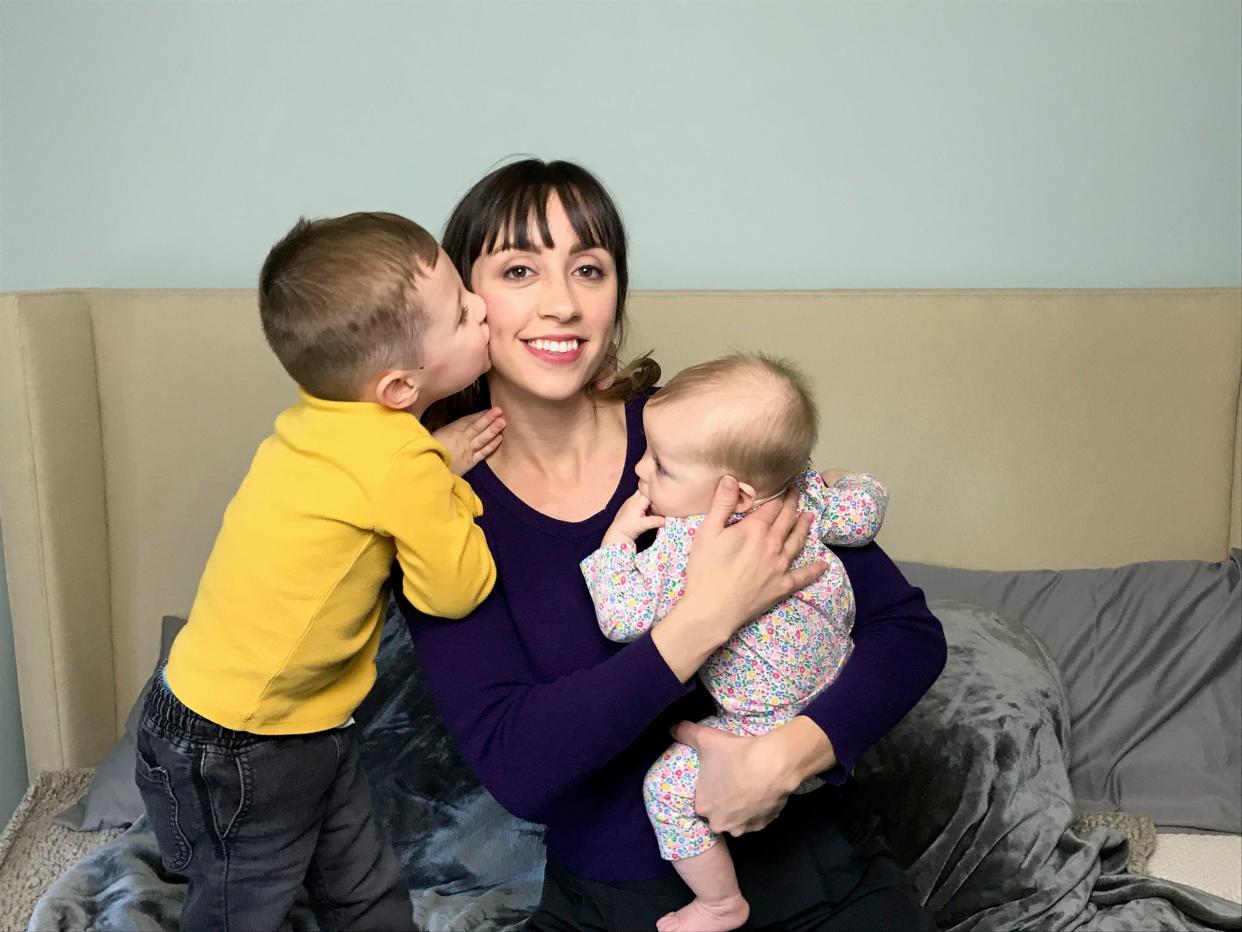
561 724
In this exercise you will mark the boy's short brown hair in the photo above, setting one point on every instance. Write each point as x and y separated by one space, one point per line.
339 301
766 446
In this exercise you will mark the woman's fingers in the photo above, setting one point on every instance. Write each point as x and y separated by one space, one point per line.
688 733
723 505
783 523
760 822
795 536
803 576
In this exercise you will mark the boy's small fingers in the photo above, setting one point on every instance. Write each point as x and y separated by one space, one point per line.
486 435
480 421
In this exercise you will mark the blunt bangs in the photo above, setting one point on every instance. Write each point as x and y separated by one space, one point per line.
508 209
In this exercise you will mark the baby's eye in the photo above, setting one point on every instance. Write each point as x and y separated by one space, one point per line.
517 273
658 468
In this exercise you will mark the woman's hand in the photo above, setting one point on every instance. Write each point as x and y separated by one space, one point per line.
471 439
743 783
737 572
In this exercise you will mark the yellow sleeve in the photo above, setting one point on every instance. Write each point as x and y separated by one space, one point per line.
429 513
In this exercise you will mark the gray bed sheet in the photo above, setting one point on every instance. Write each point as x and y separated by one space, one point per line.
1151 654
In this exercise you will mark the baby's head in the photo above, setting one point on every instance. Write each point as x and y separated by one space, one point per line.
747 415
367 307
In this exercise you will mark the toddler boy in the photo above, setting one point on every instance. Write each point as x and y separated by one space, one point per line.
247 754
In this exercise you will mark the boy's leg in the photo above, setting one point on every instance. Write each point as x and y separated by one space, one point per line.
237 815
354 879
287 782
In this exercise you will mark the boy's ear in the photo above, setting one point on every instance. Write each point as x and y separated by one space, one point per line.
745 497
396 389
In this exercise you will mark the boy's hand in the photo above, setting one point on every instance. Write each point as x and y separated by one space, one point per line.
632 521
471 439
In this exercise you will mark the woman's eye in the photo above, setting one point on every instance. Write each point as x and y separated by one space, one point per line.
517 272
589 271
465 312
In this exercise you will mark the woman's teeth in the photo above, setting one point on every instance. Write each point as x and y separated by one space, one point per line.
554 346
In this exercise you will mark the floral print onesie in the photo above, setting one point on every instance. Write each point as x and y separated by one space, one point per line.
771 667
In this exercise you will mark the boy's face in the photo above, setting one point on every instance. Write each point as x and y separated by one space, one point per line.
672 473
455 341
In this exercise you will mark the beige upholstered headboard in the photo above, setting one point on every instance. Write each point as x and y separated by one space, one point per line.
1016 429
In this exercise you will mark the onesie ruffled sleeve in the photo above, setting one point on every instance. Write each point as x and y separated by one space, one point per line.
850 510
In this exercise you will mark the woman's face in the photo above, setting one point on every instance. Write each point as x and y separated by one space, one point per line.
550 310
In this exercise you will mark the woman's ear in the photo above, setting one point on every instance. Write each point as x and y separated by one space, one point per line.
745 497
396 389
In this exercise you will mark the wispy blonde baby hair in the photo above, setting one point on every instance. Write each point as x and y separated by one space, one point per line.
770 441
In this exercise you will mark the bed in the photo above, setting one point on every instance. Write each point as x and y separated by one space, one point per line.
1070 457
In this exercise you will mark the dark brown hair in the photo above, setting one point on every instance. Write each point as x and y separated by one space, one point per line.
339 302
497 214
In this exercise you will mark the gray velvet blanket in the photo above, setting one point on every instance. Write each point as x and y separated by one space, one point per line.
974 795
971 787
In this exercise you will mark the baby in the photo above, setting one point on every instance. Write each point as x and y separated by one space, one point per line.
751 417
247 759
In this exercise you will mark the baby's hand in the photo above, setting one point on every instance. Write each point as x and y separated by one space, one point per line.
832 475
632 520
471 439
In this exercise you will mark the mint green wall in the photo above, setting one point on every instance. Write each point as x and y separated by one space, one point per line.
751 145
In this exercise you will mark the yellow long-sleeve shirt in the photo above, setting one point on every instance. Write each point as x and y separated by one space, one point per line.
283 632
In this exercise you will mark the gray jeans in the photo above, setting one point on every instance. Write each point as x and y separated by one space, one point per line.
249 819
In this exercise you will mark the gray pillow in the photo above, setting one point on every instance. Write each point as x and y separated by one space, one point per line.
112 800
1151 657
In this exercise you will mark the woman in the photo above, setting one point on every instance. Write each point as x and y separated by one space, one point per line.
560 723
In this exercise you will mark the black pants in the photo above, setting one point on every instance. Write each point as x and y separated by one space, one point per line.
249 819
820 866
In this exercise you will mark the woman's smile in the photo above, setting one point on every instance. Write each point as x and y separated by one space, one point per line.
557 349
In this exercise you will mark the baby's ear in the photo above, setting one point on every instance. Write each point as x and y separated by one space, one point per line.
745 497
396 389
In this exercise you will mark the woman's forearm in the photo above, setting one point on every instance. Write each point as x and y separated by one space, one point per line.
686 637
899 650
511 725
804 749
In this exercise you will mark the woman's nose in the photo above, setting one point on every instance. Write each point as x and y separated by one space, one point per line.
557 300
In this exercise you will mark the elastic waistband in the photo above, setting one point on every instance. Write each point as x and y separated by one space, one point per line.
167 714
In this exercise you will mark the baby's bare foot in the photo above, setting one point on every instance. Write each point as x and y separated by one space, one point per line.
699 915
